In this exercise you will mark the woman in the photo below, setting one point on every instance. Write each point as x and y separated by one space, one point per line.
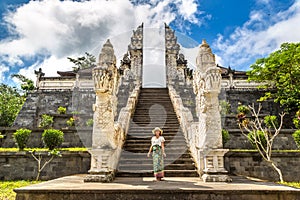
158 148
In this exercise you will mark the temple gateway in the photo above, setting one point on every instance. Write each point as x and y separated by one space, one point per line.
185 103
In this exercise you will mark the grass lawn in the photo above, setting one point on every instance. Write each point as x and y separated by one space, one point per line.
6 188
292 184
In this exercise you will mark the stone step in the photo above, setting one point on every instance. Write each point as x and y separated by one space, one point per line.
149 167
134 160
168 173
136 188
133 141
149 161
170 146
145 149
140 155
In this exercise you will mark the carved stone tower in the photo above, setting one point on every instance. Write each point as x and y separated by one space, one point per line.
207 86
104 140
172 51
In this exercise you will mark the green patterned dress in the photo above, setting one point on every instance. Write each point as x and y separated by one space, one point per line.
158 159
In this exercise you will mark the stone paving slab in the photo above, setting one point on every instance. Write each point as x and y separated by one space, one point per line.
73 187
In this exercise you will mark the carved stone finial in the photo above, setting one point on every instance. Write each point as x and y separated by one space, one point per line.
205 57
107 54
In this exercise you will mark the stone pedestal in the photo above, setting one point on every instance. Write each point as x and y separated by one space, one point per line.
100 166
213 164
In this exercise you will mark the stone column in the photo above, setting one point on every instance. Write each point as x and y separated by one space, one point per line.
172 50
105 148
207 86
135 48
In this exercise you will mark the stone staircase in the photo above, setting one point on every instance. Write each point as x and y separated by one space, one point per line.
154 109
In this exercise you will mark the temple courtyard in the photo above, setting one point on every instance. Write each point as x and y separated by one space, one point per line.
73 187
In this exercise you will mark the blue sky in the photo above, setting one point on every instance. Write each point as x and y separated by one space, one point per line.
43 34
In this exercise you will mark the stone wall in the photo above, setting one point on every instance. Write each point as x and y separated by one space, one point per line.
251 164
283 141
248 96
47 101
22 166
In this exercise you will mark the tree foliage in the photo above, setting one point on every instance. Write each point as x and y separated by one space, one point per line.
281 72
11 103
86 61
27 84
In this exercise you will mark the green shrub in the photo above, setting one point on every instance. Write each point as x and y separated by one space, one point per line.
71 121
21 137
46 121
259 136
243 109
225 136
296 120
52 138
225 107
75 112
270 120
89 122
296 136
61 110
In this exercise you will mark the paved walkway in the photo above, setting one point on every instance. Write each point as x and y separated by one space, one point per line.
145 186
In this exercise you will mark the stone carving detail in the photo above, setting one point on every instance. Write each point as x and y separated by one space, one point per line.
108 134
39 74
176 64
135 49
172 50
207 86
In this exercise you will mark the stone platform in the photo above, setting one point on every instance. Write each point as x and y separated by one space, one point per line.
73 188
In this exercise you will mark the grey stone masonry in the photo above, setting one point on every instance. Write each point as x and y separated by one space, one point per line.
47 102
251 164
22 166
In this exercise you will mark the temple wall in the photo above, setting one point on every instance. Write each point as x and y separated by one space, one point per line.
21 165
251 164
47 101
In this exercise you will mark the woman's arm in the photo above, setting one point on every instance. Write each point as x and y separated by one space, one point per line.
149 151
163 148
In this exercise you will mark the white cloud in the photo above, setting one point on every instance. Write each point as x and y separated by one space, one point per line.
58 29
49 66
259 36
3 69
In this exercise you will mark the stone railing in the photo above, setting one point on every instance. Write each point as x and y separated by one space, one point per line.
189 127
122 125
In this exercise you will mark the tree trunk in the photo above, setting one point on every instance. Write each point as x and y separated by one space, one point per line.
278 171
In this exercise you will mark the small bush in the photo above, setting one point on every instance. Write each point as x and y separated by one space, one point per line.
243 109
270 120
21 137
259 136
71 121
52 138
296 120
225 136
46 121
75 112
296 136
61 110
225 107
89 122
